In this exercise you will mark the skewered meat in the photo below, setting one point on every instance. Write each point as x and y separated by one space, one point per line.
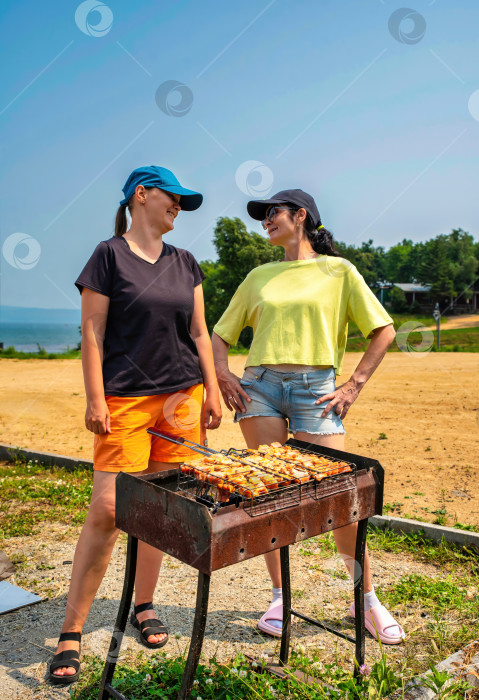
256 472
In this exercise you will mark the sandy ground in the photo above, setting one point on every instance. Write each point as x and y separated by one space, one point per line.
454 322
418 415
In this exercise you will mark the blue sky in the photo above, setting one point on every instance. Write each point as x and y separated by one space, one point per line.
381 129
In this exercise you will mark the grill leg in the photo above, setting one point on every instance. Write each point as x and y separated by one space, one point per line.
359 595
121 620
286 584
197 636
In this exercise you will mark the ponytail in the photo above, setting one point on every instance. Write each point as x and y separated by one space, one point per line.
120 221
321 240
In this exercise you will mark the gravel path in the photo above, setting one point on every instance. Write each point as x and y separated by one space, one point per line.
239 595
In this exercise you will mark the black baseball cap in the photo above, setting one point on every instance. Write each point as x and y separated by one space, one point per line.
257 208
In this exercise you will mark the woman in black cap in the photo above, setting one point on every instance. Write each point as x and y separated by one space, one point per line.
299 310
146 357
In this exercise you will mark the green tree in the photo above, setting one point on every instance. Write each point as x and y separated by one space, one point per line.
435 269
449 264
463 261
368 259
401 261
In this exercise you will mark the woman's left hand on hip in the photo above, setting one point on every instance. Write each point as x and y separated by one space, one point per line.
340 400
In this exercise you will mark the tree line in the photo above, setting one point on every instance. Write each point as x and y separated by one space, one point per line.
448 263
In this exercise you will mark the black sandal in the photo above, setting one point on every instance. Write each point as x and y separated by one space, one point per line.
148 627
69 657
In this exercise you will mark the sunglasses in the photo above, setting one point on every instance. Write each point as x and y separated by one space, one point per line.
272 213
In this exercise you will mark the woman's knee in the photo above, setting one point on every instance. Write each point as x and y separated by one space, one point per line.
101 520
101 513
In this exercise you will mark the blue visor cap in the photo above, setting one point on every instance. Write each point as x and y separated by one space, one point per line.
154 176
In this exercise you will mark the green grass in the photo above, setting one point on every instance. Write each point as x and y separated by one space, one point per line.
159 676
41 354
440 595
449 606
31 494
398 319
455 340
414 544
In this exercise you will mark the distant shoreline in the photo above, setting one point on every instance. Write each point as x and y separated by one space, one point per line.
53 337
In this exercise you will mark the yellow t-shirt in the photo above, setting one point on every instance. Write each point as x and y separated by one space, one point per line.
299 311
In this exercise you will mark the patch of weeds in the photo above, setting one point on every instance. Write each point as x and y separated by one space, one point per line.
382 436
442 516
321 546
422 548
337 573
32 494
160 677
297 593
450 609
437 681
410 516
470 528
431 593
418 493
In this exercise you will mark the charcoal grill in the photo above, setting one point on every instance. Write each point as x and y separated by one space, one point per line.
184 519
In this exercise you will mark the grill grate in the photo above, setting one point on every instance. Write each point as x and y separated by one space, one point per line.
218 496
328 486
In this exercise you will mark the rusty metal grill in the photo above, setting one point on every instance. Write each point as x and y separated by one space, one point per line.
191 519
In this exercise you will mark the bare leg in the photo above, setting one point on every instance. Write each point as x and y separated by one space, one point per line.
149 564
92 556
345 537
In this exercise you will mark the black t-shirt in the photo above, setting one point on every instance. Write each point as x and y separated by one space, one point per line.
148 348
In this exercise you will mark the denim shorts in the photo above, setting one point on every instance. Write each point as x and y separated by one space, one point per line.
291 396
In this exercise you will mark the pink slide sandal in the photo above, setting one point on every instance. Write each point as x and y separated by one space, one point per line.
274 612
383 620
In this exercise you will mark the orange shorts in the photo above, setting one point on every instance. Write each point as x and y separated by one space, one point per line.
128 447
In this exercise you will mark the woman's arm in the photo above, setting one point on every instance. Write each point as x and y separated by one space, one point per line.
230 386
347 393
94 312
199 333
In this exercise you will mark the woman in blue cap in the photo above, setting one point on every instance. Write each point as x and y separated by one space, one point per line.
146 357
299 310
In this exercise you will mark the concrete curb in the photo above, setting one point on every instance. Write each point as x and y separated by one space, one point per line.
7 452
433 532
454 665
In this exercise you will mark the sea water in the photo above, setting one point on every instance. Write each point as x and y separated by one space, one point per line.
54 337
